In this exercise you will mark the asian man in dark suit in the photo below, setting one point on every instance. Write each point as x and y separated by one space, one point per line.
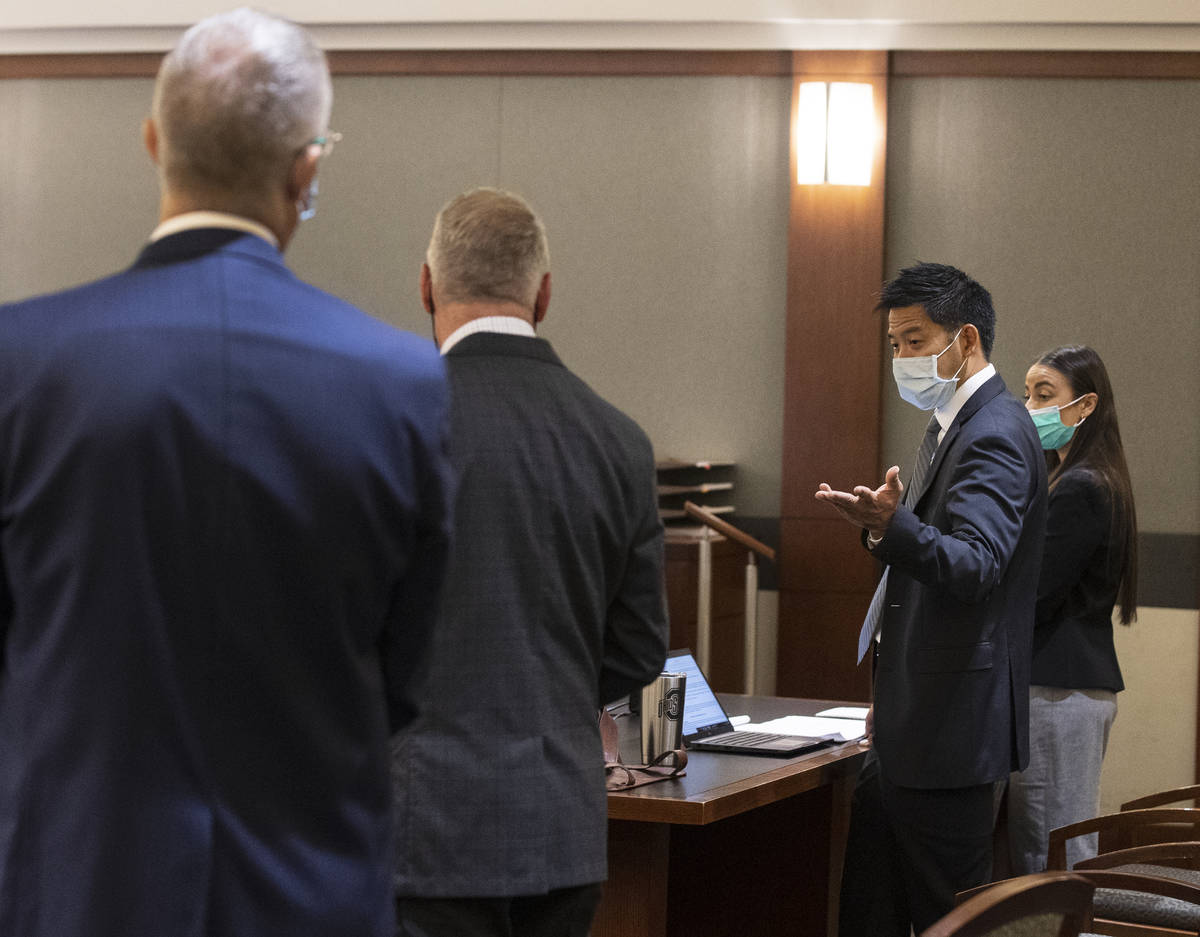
553 604
950 628
223 522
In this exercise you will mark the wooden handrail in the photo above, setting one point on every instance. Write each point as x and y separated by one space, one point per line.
728 530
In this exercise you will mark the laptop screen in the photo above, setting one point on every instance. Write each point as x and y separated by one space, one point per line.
702 712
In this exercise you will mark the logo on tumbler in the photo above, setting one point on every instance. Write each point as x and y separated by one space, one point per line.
671 704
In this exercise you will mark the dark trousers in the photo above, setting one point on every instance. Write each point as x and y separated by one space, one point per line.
909 852
565 912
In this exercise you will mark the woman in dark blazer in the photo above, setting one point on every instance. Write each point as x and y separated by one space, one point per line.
1089 568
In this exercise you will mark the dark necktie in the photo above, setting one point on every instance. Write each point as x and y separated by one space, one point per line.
874 615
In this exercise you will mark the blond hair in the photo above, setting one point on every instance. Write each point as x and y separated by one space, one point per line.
488 244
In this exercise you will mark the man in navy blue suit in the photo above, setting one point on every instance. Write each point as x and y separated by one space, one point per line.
950 628
223 524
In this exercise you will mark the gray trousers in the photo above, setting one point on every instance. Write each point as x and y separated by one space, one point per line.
1068 734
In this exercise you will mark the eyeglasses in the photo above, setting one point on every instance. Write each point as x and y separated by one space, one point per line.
325 142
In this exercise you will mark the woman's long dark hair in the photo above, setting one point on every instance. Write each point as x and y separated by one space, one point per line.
1097 448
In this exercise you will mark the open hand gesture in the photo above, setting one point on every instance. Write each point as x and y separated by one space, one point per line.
871 508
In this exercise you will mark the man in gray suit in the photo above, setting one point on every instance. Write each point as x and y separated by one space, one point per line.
553 603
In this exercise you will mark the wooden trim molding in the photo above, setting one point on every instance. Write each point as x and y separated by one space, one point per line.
956 64
82 65
779 63
564 63
438 62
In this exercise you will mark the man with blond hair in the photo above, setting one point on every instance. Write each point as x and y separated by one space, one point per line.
222 528
553 604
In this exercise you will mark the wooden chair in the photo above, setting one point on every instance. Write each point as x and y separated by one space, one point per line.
1163 798
1048 904
1124 830
1132 903
1175 856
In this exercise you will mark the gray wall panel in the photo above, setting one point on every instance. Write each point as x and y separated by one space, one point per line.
77 191
1076 202
410 144
665 201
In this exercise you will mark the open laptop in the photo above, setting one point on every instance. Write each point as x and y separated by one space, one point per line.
706 726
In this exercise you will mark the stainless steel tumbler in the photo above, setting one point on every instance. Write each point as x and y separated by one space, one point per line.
662 715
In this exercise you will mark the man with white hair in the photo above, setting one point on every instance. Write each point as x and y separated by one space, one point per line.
223 523
553 604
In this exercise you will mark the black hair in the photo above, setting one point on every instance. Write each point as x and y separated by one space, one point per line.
950 298
1096 447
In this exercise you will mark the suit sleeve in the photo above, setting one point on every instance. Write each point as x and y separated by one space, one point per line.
1077 522
987 497
6 611
414 606
635 634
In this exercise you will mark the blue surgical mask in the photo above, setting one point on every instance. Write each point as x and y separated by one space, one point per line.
1051 430
918 381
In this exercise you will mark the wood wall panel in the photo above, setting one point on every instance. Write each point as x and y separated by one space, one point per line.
829 622
824 554
727 648
832 404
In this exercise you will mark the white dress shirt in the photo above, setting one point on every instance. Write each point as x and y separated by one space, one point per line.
945 415
505 325
191 220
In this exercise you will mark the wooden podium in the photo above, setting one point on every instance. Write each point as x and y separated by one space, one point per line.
711 623
725 668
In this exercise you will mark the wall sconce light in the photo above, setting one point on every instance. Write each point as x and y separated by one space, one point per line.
835 133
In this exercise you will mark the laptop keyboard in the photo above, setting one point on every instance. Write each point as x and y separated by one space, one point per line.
744 738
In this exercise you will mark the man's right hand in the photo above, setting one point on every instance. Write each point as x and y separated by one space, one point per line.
871 508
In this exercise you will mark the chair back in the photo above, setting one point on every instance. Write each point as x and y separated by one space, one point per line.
1163 798
1048 904
1171 855
1127 829
1133 903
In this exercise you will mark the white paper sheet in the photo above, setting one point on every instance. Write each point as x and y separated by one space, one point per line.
845 712
814 726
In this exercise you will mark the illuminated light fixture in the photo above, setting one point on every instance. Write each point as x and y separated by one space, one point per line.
835 133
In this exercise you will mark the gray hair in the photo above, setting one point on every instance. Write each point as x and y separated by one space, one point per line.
236 99
488 244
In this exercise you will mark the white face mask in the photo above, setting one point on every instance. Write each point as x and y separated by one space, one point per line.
918 381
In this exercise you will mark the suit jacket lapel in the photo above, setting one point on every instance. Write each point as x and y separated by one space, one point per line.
992 387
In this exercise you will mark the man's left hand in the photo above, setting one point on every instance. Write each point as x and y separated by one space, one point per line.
871 508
